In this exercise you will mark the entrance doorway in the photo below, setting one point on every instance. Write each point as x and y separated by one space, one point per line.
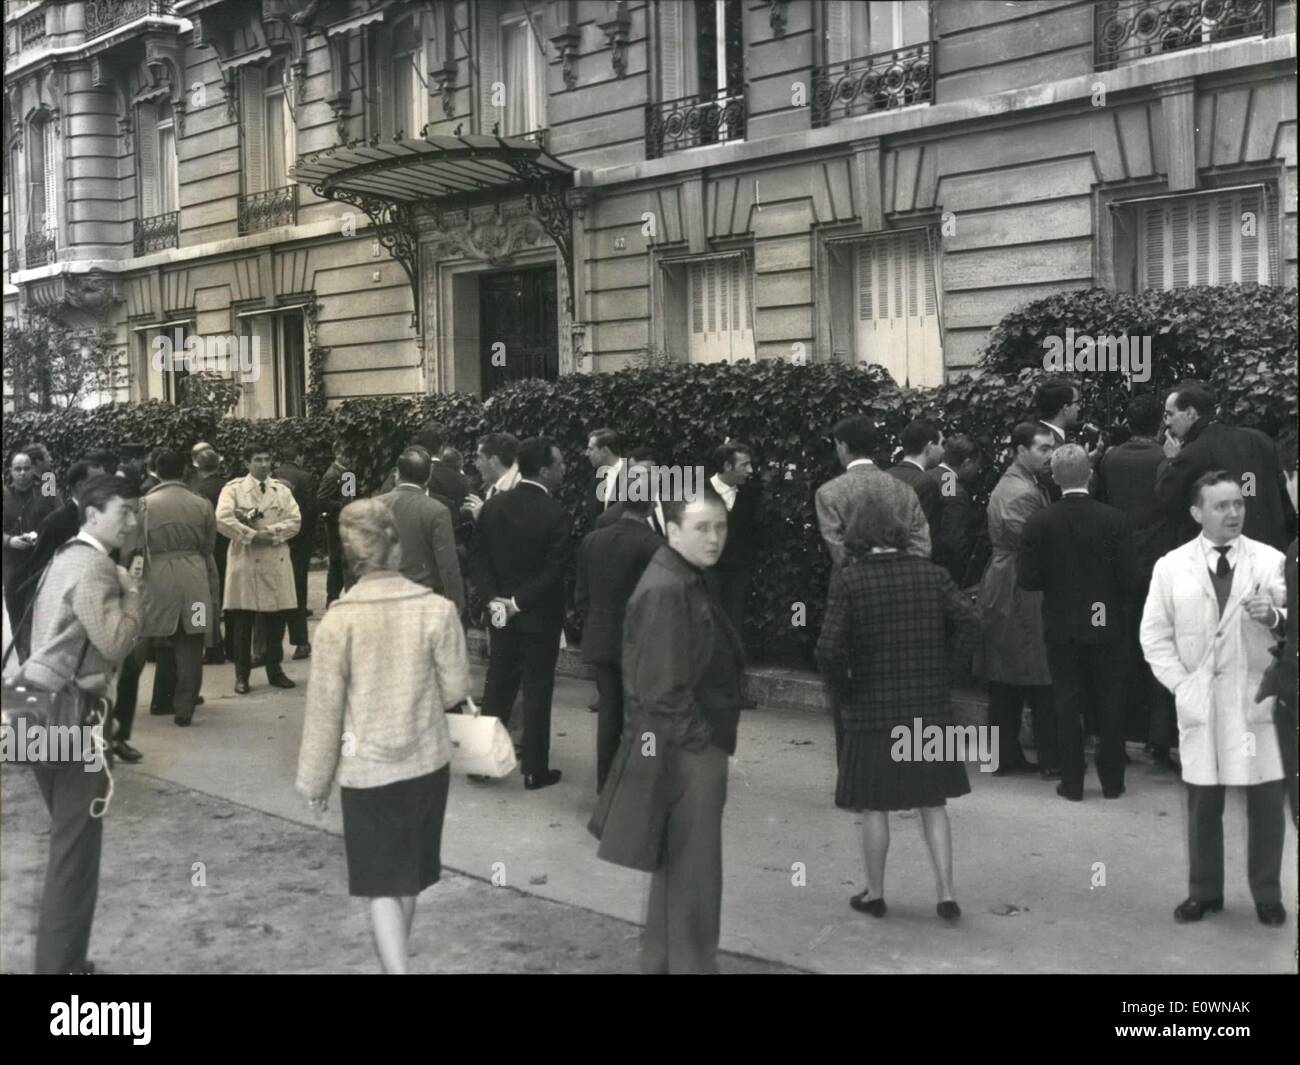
518 327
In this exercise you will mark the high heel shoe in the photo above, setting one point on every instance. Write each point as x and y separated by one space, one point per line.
948 910
875 907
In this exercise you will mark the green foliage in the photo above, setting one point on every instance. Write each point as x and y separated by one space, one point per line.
1241 339
51 366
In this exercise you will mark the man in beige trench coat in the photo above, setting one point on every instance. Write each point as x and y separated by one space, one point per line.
259 516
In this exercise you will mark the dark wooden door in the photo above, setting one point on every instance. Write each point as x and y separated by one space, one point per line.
519 334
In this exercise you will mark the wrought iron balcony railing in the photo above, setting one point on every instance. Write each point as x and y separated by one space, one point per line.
41 247
105 15
872 83
266 210
709 118
154 234
1127 30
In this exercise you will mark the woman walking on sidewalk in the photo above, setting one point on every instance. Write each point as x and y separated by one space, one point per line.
882 649
388 662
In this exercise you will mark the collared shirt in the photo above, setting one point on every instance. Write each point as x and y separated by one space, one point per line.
1057 432
1074 492
607 482
727 491
1211 553
859 462
87 538
404 484
945 466
505 482
912 462
525 480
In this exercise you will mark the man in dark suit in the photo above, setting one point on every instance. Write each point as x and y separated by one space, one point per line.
303 485
1196 444
1079 554
207 481
1126 480
922 451
652 518
604 452
424 530
519 556
1281 679
610 562
338 488
740 494
957 528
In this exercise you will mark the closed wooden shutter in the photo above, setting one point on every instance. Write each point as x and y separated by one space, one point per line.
671 42
252 116
721 310
489 64
51 175
1210 239
168 178
838 24
898 307
147 153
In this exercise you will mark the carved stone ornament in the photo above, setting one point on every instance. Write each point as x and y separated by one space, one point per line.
566 47
776 16
487 235
617 28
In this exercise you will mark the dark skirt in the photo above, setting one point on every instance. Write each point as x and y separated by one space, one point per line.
393 835
870 779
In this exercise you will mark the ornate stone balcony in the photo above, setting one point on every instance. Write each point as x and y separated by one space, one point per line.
266 210
156 233
872 83
1128 30
105 15
708 118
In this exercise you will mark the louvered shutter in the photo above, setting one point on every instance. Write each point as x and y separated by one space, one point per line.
51 175
147 153
721 311
252 114
168 183
838 24
489 64
898 307
1250 256
671 42
1199 240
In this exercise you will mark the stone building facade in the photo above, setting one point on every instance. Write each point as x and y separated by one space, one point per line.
403 197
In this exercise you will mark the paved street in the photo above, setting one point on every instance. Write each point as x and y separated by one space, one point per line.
1027 865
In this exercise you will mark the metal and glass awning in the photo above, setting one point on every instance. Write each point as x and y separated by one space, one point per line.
394 181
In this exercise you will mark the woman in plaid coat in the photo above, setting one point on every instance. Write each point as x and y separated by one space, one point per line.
883 650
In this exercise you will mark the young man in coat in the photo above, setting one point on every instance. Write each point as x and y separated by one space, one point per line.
519 558
1197 443
683 668
1079 554
207 481
424 529
1207 631
338 488
259 516
25 507
957 529
922 451
180 533
610 562
302 483
1014 660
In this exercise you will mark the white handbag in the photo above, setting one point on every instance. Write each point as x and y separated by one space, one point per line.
480 745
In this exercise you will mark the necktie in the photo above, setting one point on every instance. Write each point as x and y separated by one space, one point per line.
1223 569
262 487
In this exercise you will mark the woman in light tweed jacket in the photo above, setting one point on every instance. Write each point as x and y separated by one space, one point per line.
388 661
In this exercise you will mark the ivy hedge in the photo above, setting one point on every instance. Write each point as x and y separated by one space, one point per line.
1241 339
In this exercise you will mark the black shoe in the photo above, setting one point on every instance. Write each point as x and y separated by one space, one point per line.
1050 774
1166 761
279 680
948 910
198 700
1066 793
594 707
214 658
159 711
1022 766
479 778
1270 913
241 687
535 781
309 613
1195 909
1115 794
875 907
303 650
125 752
184 721
748 704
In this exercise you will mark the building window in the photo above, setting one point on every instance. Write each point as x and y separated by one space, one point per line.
276 343
702 77
169 190
155 376
523 76
268 129
410 90
42 194
1210 238
706 308
885 304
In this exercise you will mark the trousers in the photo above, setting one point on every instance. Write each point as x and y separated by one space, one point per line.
609 718
1265 827
300 560
524 659
684 914
1083 676
270 626
178 675
1005 704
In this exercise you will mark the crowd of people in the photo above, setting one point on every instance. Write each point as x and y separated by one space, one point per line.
1151 581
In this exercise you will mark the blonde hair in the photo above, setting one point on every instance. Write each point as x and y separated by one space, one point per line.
369 535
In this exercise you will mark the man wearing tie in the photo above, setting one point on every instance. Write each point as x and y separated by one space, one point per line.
955 535
922 450
735 466
654 515
496 464
519 557
1207 634
603 452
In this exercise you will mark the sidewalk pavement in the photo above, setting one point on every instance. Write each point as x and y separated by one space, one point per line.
1045 885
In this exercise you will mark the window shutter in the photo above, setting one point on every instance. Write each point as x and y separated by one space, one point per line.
1180 232
51 175
726 274
838 24
671 43
252 115
1251 259
168 186
1201 243
1224 231
147 152
1153 247
489 65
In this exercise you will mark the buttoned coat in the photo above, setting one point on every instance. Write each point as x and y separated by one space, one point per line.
258 576
868 485
1213 663
1013 650
179 532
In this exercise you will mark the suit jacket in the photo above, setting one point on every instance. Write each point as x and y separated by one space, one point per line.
56 529
926 489
1213 662
610 563
428 544
839 499
1079 554
885 640
615 511
1126 479
1270 518
208 485
303 486
1280 679
449 483
24 512
521 550
953 538
330 496
179 530
742 528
